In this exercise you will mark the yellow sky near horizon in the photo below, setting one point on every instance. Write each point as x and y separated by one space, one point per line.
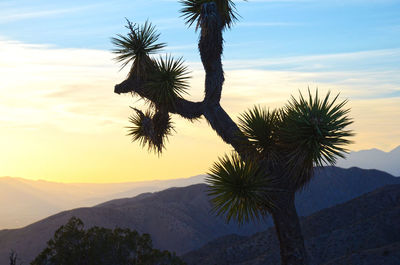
61 121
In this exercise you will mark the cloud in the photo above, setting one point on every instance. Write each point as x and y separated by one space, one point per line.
72 89
358 59
12 14
61 120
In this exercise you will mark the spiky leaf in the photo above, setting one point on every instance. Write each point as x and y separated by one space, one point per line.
150 129
168 81
259 125
136 46
239 189
162 129
142 129
192 9
314 131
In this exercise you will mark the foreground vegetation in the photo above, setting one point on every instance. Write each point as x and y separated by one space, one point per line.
71 244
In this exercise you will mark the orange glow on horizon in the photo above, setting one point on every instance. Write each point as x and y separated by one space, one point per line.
62 122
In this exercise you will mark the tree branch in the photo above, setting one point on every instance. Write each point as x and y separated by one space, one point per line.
211 47
227 129
185 108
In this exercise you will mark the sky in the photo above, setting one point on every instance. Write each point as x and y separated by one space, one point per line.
61 121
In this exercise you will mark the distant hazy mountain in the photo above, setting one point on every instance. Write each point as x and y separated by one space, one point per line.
179 219
363 231
23 201
374 159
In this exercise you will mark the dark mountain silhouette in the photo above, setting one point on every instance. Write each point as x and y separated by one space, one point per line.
179 219
374 158
333 185
363 231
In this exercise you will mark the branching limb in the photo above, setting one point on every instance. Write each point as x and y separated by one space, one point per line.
210 47
185 108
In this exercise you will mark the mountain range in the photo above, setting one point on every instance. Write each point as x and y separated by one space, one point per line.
363 231
23 201
374 159
179 219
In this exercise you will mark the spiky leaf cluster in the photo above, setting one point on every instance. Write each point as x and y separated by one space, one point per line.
314 130
164 81
260 126
136 46
162 129
150 129
239 189
168 81
191 11
312 126
306 132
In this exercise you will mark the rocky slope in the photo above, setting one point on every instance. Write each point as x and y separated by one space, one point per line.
363 231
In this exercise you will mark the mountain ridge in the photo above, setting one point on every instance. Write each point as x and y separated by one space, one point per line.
179 219
356 232
373 159
36 199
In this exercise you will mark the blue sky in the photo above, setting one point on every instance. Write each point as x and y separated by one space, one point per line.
266 29
63 122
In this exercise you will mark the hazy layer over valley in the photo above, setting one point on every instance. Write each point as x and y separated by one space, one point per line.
23 201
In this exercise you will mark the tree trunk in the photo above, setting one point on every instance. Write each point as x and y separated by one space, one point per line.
288 230
211 46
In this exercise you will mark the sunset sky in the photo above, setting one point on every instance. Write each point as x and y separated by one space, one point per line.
61 121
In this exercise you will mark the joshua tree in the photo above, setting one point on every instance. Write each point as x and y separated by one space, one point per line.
274 151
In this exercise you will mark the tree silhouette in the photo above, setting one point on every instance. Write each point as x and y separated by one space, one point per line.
72 244
274 150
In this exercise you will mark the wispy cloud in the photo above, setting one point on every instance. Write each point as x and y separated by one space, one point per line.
56 87
71 89
61 118
389 58
13 14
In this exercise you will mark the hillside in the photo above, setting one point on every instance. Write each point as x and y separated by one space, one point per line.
179 219
364 231
333 185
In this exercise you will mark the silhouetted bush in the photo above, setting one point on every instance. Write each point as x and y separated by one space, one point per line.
72 244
